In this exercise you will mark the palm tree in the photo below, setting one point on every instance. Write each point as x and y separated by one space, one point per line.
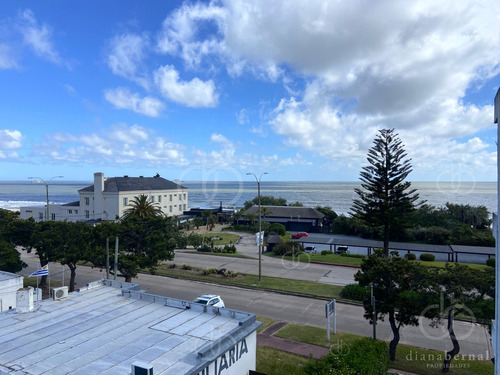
142 207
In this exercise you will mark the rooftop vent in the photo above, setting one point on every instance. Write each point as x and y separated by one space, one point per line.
141 368
126 176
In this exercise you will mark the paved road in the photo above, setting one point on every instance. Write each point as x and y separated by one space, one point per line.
300 310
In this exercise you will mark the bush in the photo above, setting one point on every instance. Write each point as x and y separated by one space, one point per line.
427 257
326 252
204 249
411 256
364 357
288 248
490 262
355 292
277 228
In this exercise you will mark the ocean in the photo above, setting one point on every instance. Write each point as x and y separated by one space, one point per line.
233 194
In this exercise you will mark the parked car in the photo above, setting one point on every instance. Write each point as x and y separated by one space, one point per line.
342 250
298 235
210 300
310 249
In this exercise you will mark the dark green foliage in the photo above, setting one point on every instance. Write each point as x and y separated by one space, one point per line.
326 252
288 248
427 257
330 216
474 216
10 259
277 228
396 285
265 200
355 292
204 249
142 207
410 256
362 357
491 262
385 198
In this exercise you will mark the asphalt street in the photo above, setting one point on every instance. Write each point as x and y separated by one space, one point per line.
474 339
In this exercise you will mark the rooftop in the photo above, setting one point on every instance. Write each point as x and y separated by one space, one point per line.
106 326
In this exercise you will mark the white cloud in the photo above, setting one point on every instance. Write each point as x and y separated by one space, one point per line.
38 37
194 93
126 54
122 98
243 117
129 134
10 139
7 60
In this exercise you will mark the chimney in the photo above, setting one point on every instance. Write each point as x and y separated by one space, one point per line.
98 200
24 300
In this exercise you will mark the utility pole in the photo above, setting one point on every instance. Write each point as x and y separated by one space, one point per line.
47 213
260 222
495 339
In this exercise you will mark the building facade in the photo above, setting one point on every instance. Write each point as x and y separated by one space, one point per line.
9 284
108 198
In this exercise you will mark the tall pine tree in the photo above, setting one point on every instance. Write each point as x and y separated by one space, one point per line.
385 198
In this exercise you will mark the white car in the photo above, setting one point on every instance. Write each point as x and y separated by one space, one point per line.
210 300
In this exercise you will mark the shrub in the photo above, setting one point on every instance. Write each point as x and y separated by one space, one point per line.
208 271
355 292
490 262
288 248
230 249
411 256
326 252
364 356
427 257
204 249
186 267
277 228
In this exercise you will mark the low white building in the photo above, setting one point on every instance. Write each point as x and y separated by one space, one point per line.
107 199
9 284
114 328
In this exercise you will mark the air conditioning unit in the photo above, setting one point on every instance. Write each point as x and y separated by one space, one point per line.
141 368
60 293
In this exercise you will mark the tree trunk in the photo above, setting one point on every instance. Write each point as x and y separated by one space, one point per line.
456 347
395 340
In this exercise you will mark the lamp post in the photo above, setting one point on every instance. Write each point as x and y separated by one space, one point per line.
260 221
46 191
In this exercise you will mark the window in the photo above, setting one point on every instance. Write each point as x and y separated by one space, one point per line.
159 198
87 201
76 212
53 217
170 197
125 201
40 215
184 196
184 207
87 214
70 211
170 209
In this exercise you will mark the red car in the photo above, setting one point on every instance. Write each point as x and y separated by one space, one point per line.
298 235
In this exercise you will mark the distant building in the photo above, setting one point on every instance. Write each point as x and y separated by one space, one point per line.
115 328
108 198
9 284
292 217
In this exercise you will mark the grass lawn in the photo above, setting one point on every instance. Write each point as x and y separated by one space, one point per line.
222 238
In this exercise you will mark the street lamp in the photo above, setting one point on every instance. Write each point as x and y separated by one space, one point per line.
260 222
46 191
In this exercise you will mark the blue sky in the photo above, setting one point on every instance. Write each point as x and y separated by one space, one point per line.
213 90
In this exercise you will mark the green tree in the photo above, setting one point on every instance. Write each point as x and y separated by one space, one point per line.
10 259
142 207
265 200
144 243
458 289
396 285
330 216
384 199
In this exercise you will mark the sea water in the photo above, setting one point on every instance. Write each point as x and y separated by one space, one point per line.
233 194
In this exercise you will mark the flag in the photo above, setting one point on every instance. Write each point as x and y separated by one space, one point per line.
44 271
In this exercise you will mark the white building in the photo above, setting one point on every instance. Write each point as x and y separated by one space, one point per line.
111 327
9 284
108 198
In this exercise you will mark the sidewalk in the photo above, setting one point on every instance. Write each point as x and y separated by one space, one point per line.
266 338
